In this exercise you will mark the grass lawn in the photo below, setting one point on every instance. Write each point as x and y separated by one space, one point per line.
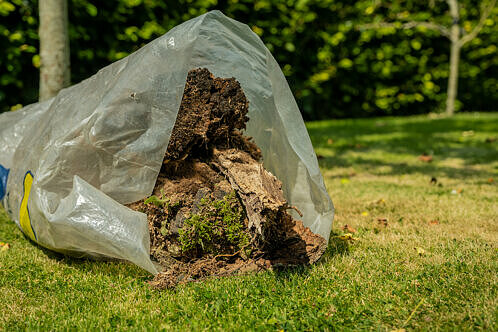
433 267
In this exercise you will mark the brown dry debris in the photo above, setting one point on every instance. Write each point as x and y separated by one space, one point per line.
215 210
425 158
349 229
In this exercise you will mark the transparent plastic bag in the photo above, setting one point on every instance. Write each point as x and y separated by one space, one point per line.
73 161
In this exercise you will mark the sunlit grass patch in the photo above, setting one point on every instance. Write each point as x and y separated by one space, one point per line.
424 253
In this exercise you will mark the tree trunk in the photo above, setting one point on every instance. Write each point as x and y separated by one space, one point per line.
453 78
454 58
54 47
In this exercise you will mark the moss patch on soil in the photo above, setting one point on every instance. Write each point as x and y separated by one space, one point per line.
217 227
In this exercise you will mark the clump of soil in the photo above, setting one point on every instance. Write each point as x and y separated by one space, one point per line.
215 210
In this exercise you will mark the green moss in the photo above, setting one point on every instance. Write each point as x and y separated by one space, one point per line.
217 228
157 201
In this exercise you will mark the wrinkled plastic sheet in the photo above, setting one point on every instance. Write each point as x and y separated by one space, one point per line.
70 163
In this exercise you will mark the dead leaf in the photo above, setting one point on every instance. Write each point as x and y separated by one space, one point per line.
468 133
420 251
382 221
490 180
330 141
381 202
425 158
4 246
434 222
348 229
331 312
359 146
347 237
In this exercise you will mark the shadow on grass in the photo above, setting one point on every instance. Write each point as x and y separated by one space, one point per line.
124 269
336 247
402 168
410 125
441 138
112 266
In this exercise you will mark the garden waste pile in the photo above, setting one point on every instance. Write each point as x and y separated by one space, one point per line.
215 209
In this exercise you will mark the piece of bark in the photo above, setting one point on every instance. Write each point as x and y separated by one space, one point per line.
261 194
259 190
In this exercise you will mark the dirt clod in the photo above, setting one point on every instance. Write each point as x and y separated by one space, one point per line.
215 210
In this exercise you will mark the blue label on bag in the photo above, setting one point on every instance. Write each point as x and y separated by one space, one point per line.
4 174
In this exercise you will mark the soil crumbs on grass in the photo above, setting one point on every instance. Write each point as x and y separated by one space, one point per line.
215 210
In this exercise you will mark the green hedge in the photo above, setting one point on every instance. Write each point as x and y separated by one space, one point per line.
335 68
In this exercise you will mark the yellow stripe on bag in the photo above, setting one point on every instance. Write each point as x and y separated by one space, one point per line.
25 221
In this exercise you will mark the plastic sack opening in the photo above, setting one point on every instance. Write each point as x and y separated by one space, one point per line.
76 159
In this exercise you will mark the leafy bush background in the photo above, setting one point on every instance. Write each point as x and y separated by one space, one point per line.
334 68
